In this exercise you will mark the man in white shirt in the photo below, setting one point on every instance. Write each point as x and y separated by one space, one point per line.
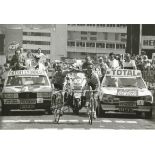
28 61
39 65
128 63
41 56
113 63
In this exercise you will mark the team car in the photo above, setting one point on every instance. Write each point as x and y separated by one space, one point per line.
26 90
124 90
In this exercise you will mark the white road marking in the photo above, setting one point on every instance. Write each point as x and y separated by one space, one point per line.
40 121
73 120
65 121
15 121
85 120
135 122
107 121
62 121
119 121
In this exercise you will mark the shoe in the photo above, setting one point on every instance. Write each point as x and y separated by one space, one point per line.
94 115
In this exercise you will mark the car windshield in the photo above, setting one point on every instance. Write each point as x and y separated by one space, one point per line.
109 81
29 80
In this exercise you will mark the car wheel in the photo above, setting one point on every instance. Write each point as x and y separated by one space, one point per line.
148 115
138 114
5 111
99 111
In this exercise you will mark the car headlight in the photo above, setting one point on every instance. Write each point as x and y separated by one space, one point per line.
44 94
107 98
148 98
10 95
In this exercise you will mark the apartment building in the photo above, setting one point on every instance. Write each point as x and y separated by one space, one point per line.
95 39
37 38
68 40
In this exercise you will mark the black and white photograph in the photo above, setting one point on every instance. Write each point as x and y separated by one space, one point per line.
77 76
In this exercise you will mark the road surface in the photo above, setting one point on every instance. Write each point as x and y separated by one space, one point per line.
39 120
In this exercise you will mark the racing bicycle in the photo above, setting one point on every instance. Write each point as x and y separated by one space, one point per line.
59 106
90 105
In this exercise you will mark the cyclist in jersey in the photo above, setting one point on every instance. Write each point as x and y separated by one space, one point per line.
59 77
87 61
94 82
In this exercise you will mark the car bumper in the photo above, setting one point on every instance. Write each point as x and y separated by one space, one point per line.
45 105
107 107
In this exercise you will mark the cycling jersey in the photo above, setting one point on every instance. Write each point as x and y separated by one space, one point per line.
93 80
59 78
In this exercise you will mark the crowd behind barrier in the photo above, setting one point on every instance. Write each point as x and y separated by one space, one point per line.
147 66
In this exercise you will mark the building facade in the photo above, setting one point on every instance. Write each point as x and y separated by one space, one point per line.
29 36
59 41
33 39
95 39
2 54
148 39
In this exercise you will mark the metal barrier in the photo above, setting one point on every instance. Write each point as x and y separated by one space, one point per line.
149 78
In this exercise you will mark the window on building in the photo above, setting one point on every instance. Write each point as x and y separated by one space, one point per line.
100 25
145 42
83 53
105 36
100 45
93 33
121 25
81 24
35 51
123 34
2 38
83 32
93 38
90 44
120 46
27 33
116 36
118 25
80 44
110 25
71 43
36 42
71 24
44 34
110 45
83 38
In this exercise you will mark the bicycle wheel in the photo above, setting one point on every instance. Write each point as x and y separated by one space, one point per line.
56 116
90 112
